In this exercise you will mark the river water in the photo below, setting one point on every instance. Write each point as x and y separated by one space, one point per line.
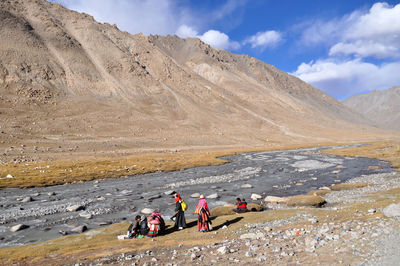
114 200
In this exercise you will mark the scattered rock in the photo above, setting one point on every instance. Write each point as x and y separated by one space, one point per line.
372 210
27 199
79 229
249 254
18 227
222 250
154 197
9 176
392 210
147 211
195 195
246 186
255 196
85 215
374 167
170 192
75 208
274 199
325 188
51 193
299 184
213 196
103 223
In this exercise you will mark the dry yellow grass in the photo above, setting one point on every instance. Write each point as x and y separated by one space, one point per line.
69 171
386 151
346 186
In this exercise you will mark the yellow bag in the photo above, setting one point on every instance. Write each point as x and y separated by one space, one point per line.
184 205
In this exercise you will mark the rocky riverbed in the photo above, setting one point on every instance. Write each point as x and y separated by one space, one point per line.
50 212
367 238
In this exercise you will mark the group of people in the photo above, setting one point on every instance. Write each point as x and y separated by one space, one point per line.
154 224
146 226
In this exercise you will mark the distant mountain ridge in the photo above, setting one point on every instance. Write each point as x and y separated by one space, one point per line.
382 107
64 75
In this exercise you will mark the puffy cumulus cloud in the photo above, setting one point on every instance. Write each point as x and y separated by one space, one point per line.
185 31
344 78
219 40
214 38
361 48
371 33
264 39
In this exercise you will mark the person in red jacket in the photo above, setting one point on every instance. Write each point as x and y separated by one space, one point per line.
241 206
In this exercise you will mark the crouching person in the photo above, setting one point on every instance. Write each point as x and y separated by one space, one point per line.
154 225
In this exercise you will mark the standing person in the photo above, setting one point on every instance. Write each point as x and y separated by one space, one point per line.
180 221
203 220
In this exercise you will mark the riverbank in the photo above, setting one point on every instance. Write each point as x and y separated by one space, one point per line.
345 231
84 168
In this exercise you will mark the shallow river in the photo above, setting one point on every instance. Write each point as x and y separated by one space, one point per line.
113 200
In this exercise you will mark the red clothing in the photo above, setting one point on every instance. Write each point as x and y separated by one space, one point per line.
242 205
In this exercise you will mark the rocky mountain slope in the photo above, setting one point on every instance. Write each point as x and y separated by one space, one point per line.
382 107
69 83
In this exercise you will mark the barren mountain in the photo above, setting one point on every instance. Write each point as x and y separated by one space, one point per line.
69 83
382 107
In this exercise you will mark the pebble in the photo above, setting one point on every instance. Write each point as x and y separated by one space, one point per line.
9 176
195 195
170 192
249 254
246 186
75 208
222 250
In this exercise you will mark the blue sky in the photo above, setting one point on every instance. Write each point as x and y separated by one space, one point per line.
341 47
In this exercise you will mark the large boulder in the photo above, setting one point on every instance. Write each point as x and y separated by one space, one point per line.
254 207
392 210
222 210
305 200
273 199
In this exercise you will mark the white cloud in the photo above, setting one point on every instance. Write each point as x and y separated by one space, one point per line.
159 17
345 78
264 39
185 31
214 38
374 33
219 40
135 16
365 49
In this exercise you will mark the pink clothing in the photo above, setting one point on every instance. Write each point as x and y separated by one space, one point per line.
202 203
